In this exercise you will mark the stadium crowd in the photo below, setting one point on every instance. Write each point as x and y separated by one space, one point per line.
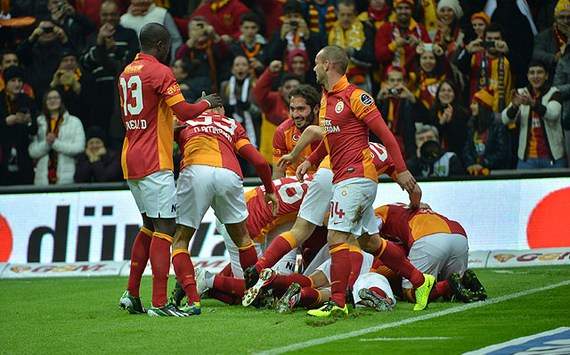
457 81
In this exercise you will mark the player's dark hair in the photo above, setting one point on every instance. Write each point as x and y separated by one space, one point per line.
311 96
250 17
285 78
6 52
45 110
537 63
337 56
494 27
151 34
348 3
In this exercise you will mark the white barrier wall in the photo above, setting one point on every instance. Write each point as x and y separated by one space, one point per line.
99 226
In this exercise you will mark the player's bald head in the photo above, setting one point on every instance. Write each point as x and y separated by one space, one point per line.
151 34
336 56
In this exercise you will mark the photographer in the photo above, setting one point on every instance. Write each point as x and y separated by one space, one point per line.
205 51
76 26
431 159
398 107
17 124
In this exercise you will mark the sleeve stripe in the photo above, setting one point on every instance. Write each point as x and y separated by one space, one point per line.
241 143
171 101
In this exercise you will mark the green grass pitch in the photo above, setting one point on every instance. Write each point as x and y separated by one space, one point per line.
81 315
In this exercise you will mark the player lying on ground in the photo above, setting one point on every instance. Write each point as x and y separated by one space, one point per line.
149 95
211 176
435 245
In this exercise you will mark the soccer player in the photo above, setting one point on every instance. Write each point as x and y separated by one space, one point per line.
149 95
346 114
303 111
211 176
435 245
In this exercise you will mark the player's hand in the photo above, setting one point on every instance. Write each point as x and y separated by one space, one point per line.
416 197
271 198
425 206
214 100
302 170
286 160
406 181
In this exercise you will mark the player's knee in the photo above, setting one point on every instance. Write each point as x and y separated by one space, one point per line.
336 237
302 230
165 225
238 233
369 243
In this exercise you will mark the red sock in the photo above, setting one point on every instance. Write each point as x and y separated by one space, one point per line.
229 285
139 258
278 248
378 291
227 270
282 282
310 297
247 256
395 258
160 264
340 272
224 297
184 271
356 258
440 289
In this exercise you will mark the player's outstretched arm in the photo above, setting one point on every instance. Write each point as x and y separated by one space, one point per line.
254 157
312 160
310 134
185 111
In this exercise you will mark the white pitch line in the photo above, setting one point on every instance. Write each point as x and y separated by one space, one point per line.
406 339
465 307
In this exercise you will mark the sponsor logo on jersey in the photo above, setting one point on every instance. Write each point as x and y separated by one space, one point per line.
366 99
173 89
339 107
330 128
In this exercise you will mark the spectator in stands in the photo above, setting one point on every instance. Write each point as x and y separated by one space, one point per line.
489 68
537 109
298 64
479 23
430 72
487 146
206 53
72 84
550 44
9 58
224 16
321 16
76 26
396 42
293 34
17 125
357 39
142 12
59 139
109 50
98 163
236 93
431 159
250 43
449 35
398 106
562 83
450 118
181 71
41 54
376 14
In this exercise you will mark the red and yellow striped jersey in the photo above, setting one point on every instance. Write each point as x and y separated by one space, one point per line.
147 89
290 193
408 225
344 110
212 139
284 140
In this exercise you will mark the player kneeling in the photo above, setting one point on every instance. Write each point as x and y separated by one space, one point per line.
211 176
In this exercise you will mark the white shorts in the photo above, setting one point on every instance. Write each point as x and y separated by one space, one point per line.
351 208
372 279
155 194
439 255
316 202
367 260
201 186
285 266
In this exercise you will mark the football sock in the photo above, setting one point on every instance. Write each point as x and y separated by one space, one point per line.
340 272
226 271
184 271
395 258
440 289
310 297
139 259
282 282
356 258
224 297
229 285
378 291
247 256
160 264
278 248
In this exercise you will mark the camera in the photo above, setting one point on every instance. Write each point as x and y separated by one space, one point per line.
394 91
294 23
47 29
488 44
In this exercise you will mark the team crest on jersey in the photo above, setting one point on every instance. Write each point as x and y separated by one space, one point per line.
339 107
366 99
295 137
